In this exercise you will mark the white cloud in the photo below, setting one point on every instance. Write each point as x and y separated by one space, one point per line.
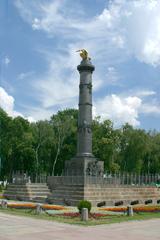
60 84
145 93
6 60
24 75
131 25
119 109
112 76
38 113
7 104
123 109
148 108
123 30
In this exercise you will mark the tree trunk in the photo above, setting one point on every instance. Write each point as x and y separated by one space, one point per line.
37 160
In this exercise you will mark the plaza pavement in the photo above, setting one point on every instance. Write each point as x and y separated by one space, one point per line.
24 228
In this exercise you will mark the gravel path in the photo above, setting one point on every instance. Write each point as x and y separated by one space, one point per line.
23 228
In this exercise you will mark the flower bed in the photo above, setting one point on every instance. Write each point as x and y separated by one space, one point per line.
78 215
1 196
53 207
114 209
33 206
147 209
22 205
100 215
135 209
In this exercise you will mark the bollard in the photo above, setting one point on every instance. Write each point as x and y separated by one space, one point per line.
84 214
38 208
129 211
4 204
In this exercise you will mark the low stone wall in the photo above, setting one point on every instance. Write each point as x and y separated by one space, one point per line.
69 191
95 193
127 194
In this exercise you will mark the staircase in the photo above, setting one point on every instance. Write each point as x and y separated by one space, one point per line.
36 192
67 195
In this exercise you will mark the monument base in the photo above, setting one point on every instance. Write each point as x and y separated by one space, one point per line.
69 190
84 166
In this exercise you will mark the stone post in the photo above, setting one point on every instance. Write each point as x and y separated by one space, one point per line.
38 208
4 204
129 211
84 214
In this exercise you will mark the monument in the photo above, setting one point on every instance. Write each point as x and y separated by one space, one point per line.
83 177
84 163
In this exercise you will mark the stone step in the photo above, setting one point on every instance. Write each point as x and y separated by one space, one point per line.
118 194
46 191
26 194
60 201
39 199
120 190
14 197
39 192
123 192
123 196
27 186
65 197
69 191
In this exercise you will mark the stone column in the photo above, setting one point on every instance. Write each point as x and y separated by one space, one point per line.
84 141
84 163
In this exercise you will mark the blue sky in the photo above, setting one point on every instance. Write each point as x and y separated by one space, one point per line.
38 40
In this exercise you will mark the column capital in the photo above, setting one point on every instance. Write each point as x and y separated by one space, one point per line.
86 65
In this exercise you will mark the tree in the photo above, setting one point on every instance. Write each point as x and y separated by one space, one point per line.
5 143
63 124
152 157
106 143
42 132
134 146
22 145
43 147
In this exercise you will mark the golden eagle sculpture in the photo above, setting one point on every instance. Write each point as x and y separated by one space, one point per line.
84 54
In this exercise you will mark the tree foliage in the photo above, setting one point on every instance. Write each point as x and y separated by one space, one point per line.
44 146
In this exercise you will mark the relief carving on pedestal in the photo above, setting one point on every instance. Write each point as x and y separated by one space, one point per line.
94 169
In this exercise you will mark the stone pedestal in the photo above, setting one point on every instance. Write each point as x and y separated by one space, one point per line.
82 166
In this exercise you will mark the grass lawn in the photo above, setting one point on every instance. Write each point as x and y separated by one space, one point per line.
77 220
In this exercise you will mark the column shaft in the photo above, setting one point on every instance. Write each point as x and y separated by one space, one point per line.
84 143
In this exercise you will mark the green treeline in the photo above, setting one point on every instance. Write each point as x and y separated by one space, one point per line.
42 147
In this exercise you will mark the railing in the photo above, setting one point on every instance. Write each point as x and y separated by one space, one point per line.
107 180
42 178
23 178
132 179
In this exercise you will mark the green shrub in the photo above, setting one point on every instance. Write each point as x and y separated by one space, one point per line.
84 204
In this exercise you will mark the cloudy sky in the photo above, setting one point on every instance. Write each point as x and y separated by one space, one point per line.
38 40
